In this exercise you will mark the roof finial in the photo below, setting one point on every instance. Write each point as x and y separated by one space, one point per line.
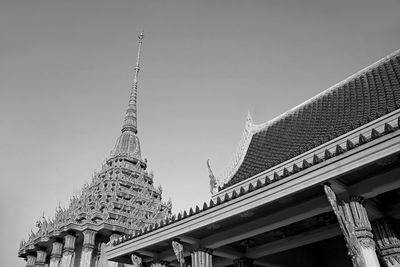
249 119
130 121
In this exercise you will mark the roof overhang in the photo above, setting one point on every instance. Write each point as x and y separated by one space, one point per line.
289 189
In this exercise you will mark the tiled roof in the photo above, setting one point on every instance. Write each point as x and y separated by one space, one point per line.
264 181
363 97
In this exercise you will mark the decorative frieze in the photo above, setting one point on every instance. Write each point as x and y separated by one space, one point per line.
387 241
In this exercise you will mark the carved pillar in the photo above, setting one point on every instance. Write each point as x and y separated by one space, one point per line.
356 215
201 258
30 261
41 258
356 228
111 263
56 253
243 262
68 251
388 243
87 249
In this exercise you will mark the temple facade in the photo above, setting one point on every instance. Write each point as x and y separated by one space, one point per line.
121 199
317 186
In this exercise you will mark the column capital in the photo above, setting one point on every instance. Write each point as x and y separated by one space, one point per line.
56 250
41 258
89 238
159 263
201 258
356 214
30 260
69 243
206 250
387 241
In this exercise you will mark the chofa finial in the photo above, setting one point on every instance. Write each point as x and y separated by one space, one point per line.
249 119
213 180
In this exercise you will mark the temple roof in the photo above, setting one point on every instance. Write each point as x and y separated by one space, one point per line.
120 198
359 99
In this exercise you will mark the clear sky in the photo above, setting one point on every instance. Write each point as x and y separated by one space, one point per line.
66 69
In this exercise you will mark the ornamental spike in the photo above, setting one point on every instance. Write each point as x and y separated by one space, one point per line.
130 121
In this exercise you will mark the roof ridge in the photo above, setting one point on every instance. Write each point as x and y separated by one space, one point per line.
262 126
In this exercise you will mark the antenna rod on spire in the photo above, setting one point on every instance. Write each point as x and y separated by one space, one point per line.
130 121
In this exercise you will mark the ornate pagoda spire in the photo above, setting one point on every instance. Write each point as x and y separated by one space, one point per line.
130 121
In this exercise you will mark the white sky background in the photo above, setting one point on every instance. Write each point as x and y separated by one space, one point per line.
66 69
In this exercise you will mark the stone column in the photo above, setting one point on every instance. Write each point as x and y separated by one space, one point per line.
243 262
41 258
201 258
87 249
356 215
30 261
112 263
56 253
388 242
68 251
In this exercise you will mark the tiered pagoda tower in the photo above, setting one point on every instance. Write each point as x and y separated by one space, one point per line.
120 199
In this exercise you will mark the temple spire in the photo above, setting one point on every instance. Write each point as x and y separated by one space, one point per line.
130 121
